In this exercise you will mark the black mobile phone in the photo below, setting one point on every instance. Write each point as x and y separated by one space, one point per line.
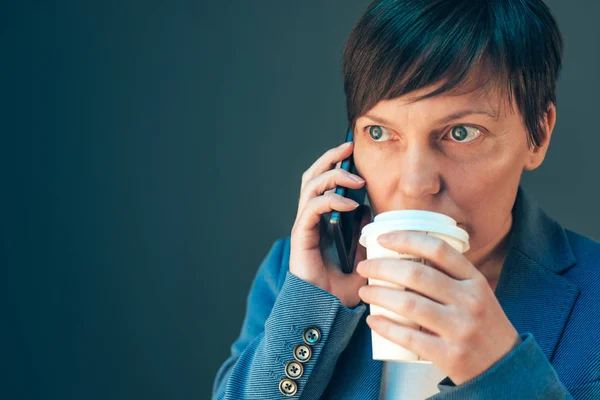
346 225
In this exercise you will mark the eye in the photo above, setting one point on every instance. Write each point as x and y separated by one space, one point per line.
377 132
459 133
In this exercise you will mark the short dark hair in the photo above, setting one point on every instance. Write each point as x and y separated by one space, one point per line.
398 46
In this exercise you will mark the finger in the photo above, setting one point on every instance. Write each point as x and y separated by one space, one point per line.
419 244
427 346
311 213
328 180
327 161
416 276
423 311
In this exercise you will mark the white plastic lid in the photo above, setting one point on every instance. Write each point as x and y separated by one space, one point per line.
414 220
414 214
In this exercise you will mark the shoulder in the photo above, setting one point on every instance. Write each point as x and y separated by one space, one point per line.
584 248
586 271
578 348
587 253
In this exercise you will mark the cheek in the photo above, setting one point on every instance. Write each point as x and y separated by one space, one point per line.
485 199
380 178
368 164
486 180
488 219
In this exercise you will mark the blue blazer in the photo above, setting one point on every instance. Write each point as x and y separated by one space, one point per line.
549 288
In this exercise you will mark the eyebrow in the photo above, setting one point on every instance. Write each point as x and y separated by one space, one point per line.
448 118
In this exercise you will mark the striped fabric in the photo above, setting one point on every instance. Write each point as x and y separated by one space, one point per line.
549 288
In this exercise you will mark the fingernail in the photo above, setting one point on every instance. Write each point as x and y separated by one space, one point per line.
360 267
386 237
350 202
372 321
344 145
357 178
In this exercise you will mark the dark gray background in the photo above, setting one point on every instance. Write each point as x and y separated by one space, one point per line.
154 152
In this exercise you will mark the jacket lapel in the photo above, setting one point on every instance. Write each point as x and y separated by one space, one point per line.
533 294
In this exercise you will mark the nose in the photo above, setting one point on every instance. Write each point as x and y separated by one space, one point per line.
419 175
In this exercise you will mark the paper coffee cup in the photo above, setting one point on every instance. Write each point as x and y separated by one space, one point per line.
432 223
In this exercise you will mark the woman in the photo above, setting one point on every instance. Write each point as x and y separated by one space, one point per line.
450 101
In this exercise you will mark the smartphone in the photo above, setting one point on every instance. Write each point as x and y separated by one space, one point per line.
345 225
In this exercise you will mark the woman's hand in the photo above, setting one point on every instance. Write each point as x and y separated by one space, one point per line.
317 197
466 328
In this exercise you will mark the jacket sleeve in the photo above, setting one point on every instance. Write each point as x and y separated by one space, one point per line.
274 324
524 373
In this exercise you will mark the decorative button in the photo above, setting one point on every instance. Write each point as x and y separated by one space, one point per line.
293 369
288 387
302 353
311 336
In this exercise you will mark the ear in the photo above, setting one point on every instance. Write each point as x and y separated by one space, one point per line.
536 154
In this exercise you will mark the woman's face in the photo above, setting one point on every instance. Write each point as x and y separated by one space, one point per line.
415 156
